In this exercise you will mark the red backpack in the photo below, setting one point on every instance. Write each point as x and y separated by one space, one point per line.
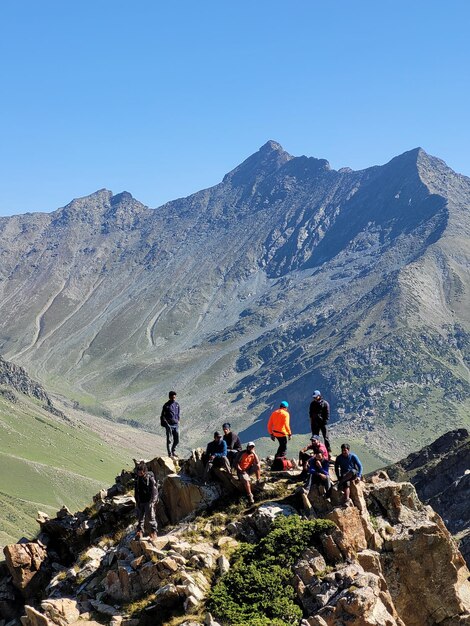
281 464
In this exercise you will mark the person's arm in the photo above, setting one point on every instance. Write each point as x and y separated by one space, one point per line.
223 452
310 410
258 468
337 469
237 445
163 420
358 465
325 411
288 425
153 484
239 469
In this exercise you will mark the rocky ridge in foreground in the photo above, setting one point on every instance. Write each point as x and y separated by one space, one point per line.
388 560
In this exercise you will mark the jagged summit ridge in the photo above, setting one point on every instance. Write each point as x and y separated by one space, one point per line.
284 277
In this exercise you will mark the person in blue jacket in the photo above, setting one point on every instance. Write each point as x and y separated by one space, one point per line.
318 469
216 455
347 468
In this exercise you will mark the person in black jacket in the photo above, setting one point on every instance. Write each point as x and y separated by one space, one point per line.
146 497
234 445
319 413
170 420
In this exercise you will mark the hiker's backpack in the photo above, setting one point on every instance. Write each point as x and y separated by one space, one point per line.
281 464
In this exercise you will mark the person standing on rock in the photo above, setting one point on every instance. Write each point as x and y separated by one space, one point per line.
319 413
170 420
347 468
248 463
146 497
279 427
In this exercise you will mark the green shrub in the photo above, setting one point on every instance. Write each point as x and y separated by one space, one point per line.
257 590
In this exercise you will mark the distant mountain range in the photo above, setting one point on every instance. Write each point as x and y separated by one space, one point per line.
285 277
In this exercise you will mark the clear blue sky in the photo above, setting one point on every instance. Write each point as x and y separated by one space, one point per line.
161 99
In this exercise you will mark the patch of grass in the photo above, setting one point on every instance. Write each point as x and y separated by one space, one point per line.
137 606
257 590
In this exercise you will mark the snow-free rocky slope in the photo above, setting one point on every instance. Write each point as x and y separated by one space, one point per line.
284 277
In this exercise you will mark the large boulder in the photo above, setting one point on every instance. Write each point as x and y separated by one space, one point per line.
28 566
182 497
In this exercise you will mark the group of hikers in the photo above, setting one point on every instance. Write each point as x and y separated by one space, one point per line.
226 451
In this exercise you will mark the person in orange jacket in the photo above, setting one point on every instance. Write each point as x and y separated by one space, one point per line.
279 427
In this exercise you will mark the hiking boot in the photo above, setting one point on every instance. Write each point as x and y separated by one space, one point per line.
251 500
348 503
174 456
153 535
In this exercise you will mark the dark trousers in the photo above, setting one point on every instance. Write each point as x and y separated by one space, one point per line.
282 441
317 427
172 438
146 516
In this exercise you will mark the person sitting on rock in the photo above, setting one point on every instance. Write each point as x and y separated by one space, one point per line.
306 453
347 468
234 445
247 464
318 470
216 455
279 427
146 497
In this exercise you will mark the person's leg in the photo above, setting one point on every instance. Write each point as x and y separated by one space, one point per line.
207 470
176 439
315 427
281 451
150 517
140 512
324 432
226 464
169 439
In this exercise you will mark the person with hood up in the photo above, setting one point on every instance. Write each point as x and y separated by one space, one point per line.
279 427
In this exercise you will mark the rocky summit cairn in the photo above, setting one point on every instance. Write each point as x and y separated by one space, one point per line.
387 560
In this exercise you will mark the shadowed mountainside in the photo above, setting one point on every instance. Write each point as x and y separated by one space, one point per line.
286 276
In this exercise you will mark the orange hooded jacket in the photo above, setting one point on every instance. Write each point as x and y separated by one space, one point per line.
279 423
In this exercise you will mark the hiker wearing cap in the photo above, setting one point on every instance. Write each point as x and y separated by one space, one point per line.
347 468
216 455
170 420
314 446
234 445
279 427
146 497
247 464
318 469
319 413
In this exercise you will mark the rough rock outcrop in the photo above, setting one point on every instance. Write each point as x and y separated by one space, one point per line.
440 473
387 551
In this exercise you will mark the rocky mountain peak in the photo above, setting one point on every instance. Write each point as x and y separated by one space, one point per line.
269 158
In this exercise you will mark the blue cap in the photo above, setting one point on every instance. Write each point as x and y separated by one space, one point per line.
316 393
285 404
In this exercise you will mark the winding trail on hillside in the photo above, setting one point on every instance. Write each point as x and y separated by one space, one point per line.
151 326
87 297
38 322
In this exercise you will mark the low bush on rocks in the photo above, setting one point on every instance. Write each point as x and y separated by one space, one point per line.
257 590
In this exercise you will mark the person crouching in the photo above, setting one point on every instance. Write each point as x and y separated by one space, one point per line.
248 463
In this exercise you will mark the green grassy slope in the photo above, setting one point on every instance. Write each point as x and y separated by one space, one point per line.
46 462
